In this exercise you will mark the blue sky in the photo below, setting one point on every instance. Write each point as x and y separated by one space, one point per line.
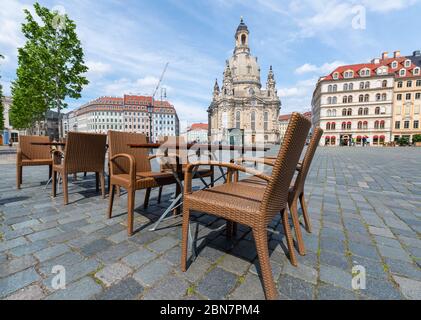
127 43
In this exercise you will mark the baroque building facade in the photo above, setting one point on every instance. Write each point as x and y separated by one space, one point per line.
242 111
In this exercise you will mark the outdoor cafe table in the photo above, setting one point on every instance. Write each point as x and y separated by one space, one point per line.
178 171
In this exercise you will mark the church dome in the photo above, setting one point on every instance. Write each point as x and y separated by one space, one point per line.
242 26
245 69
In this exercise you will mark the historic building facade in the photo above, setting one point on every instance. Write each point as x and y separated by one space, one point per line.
407 98
241 109
129 113
357 102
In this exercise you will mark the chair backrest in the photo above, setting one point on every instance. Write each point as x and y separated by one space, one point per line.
276 193
30 151
308 158
118 143
84 152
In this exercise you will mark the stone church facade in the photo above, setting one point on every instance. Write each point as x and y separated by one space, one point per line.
241 110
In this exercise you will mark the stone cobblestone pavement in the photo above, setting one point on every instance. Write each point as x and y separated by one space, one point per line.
365 205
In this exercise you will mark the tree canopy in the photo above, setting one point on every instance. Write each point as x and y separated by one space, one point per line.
50 69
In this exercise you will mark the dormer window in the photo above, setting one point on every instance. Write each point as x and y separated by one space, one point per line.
417 71
348 74
402 72
394 64
407 63
365 72
335 76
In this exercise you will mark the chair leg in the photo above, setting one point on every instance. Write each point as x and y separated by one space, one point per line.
261 239
110 205
147 195
84 174
229 229
54 183
185 237
18 176
130 211
297 227
118 191
305 213
102 180
65 188
97 181
50 171
288 236
160 194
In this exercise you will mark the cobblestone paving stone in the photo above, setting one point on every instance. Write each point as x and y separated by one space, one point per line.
365 206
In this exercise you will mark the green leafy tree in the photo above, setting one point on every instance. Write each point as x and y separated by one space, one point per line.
1 105
50 67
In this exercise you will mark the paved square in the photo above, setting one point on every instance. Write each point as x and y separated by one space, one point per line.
365 206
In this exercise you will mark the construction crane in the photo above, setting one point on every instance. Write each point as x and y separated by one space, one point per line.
159 82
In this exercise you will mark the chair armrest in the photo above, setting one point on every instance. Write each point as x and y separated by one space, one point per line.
132 165
231 166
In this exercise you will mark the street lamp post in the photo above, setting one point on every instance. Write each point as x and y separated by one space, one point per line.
150 111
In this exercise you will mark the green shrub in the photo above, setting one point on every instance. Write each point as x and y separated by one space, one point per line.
416 138
404 141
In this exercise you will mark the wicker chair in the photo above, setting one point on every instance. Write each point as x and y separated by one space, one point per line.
251 206
84 152
183 154
131 170
32 155
296 190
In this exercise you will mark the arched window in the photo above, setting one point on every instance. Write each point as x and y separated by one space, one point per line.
243 39
361 98
367 85
360 111
329 113
382 124
328 126
367 98
351 86
365 125
365 111
360 124
359 140
376 124
377 110
238 120
349 113
334 113
384 97
344 112
378 97
253 120
348 125
349 99
345 99
343 125
329 88
382 139
361 85
329 100
266 121
333 126
346 87
327 141
384 84
334 100
335 88
332 141
376 140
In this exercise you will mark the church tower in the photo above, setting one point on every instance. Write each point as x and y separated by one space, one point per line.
242 110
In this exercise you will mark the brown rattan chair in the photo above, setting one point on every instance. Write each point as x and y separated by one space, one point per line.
183 154
131 170
84 152
32 155
296 190
252 206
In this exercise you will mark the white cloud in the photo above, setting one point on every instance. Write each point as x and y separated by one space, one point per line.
98 67
322 70
388 5
142 86
11 17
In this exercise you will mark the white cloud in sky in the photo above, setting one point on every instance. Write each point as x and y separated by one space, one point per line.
324 69
98 68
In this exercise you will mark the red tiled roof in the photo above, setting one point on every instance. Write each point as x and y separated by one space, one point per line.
284 117
198 126
356 68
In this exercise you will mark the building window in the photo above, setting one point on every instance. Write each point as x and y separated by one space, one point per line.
253 120
361 85
335 88
344 111
367 85
377 110
408 96
416 124
384 84
397 124
400 84
329 100
416 71
329 113
418 83
402 72
418 95
407 63
334 100
361 98
238 119
335 76
350 99
330 88
399 97
348 125
346 87
376 124
378 97
365 125
406 124
417 109
328 126
333 141
394 64
327 141
360 111
382 123
333 126
365 111
409 84
407 109
366 98
360 125
343 125
349 113
266 121
345 99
